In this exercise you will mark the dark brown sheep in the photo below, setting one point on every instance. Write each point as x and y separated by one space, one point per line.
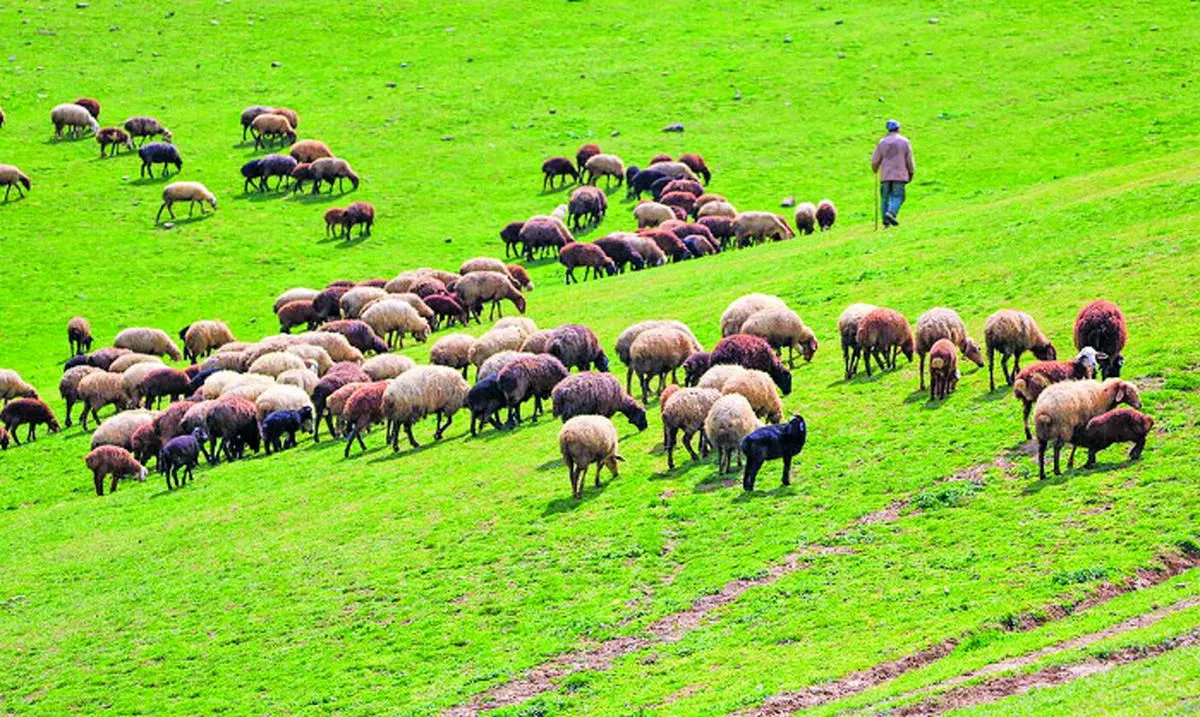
585 153
556 167
511 236
30 412
587 255
595 393
164 383
297 313
884 334
577 347
360 214
113 461
697 164
1101 325
1120 425
528 377
114 137
234 420
586 202
752 352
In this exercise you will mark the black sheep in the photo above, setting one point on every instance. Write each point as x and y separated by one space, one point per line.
557 167
782 440
182 453
640 182
621 253
280 423
485 399
159 153
252 172
275 165
198 380
656 189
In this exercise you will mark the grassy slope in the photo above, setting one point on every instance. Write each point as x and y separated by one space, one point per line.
1051 171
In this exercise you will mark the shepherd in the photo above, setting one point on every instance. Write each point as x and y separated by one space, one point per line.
893 162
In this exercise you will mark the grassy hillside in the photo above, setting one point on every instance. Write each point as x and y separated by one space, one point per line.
1056 164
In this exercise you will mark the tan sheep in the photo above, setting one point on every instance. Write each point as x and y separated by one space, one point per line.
717 376
274 126
412 300
121 363
118 430
68 386
424 391
132 377
658 352
1012 333
585 441
99 389
496 362
332 169
943 323
336 345
1066 407
453 350
11 177
203 337
281 398
355 301
309 150
382 367
74 117
626 338
148 341
537 342
493 342
275 363
743 308
482 263
678 170
226 360
392 319
651 214
805 217
685 410
312 356
303 378
781 327
477 288
848 331
191 192
603 165
717 208
525 325
297 294
759 390
13 386
756 227
730 419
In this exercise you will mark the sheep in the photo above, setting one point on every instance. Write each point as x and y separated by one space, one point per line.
356 299
154 342
604 165
194 193
333 221
485 399
28 412
358 214
271 126
428 286
485 286
519 276
695 366
589 202
235 422
169 423
1011 333
292 118
114 137
336 345
219 382
102 358
297 313
297 294
482 263
421 392
884 334
667 243
119 429
783 440
697 164
249 114
721 227
332 169
752 352
68 386
454 351
524 324
730 419
626 338
333 381
386 366
274 165
686 410
90 104
496 363
596 393
541 235
225 360
303 378
647 250
698 246
826 214
201 338
642 181
848 332
182 453
144 127
536 342
759 390
358 333
556 167
145 442
196 416
943 369
335 408
1120 425
1066 407
651 214
159 153
275 363
1034 379
11 177
584 153
805 217
133 377
307 151
675 170
163 382
941 323
493 342
755 227
533 376
74 117
683 200
657 352
589 256
1101 325
113 461
577 347
277 424
328 303
743 308
780 327
392 319
585 441
132 359
683 185
511 236
618 248
13 386
717 208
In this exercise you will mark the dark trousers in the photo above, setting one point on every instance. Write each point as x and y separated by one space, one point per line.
891 196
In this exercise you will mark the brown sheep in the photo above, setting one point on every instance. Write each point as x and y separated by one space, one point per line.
884 334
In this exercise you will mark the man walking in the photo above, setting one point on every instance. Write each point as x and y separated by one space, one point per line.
893 162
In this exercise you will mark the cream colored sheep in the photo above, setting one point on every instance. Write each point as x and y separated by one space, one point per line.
717 208
148 341
275 363
392 319
781 327
525 325
382 367
1012 333
759 226
658 352
759 390
11 177
497 361
805 217
943 323
118 430
729 420
123 362
191 192
226 360
1066 407
678 170
247 390
332 169
75 117
336 345
651 214
453 350
423 391
203 337
100 389
314 355
13 386
132 377
403 282
685 410
537 342
717 376
493 342
282 397
585 441
477 288
743 308
223 382
354 301
68 386
297 294
603 165
482 263
270 125
303 378
412 300
196 416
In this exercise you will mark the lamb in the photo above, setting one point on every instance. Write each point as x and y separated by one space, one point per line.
154 342
884 334
759 390
519 276
743 307
248 116
848 331
752 352
144 127
1011 333
784 440
336 378
577 347
1034 379
585 441
279 424
271 126
657 352
113 461
424 391
234 421
685 410
651 214
358 333
297 294
274 363
781 327
201 338
533 376
826 214
191 192
604 165
336 345
556 167
132 359
943 369
392 319
114 137
756 227
331 169
307 151
159 153
27 412
181 453
13 386
485 399
485 286
119 429
589 202
640 182
74 117
617 247
589 256
1120 425
275 165
333 221
454 351
694 366
11 177
1101 325
805 217
717 208
1066 407
358 214
68 386
595 393
730 420
941 323
164 382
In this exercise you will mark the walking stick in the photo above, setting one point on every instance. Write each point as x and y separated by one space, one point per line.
875 191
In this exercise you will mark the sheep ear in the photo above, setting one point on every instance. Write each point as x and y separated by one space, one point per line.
619 458
1101 357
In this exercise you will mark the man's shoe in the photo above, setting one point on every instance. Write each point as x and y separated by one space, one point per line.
890 218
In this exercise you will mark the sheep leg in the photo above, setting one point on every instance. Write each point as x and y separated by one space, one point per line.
7 190
787 470
408 432
922 371
1016 367
687 443
1058 444
596 480
753 463
1071 457
98 479
1025 418
991 369
669 444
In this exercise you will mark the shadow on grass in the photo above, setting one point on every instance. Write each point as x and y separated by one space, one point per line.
999 394
144 181
590 492
318 198
182 220
559 189
14 198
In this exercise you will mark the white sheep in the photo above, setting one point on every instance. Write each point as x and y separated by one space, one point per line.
275 363
604 165
729 420
780 327
148 341
493 342
412 300
123 362
1066 407
225 360
382 367
118 430
717 208
191 192
392 319
453 350
303 378
337 346
743 308
354 301
651 214
423 391
585 441
496 362
717 376
525 325
281 398
685 410
74 116
312 356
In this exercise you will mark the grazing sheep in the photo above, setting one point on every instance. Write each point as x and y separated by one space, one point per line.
718 208
417 303
783 440
336 345
424 391
651 214
485 399
647 249
661 157
1120 425
539 236
943 369
640 182
756 227
589 256
428 286
249 114
759 390
154 342
201 338
781 327
721 227
675 170
683 200
454 351
698 246
482 263
145 442
805 217
271 126
585 441
68 386
619 249
697 164
74 117
274 165
333 221
297 313
577 347
327 304
730 420
1066 407
519 276
119 429
182 453
536 342
303 378
595 393
297 294
358 214
511 236
274 363
168 424
337 378
533 376
752 352
657 352
492 343
332 169
392 319
113 461
100 358
1101 325
191 192
848 331
884 334
225 361
604 165
683 185
743 307
359 334
90 104
114 137
556 167
234 421
13 386
626 338
585 153
292 118
685 410
826 214
164 383
159 153
941 323
367 410
694 366
307 151
524 324
100 389
486 286
132 359
1034 379
667 242
11 177
1011 333
144 127
586 202
446 307
280 427
356 299
386 366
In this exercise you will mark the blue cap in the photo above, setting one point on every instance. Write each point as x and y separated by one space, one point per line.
893 125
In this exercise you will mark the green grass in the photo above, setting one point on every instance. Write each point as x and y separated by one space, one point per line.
1056 162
